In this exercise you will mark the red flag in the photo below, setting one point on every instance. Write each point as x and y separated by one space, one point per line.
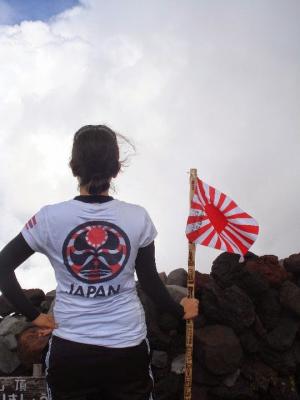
216 221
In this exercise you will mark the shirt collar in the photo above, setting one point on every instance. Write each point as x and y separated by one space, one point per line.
93 198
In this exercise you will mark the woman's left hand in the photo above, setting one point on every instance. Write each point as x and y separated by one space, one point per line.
45 323
191 307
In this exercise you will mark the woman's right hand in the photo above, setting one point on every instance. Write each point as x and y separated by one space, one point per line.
191 307
45 323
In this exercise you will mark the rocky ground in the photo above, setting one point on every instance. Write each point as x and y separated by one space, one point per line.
246 341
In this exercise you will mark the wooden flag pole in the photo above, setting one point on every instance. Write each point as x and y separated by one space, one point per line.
191 294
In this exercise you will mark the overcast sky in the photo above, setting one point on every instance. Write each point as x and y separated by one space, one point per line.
206 84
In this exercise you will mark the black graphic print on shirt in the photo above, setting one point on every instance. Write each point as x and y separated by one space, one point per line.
96 251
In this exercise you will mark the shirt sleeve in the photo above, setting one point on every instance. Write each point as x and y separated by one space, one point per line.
35 232
151 283
149 231
11 256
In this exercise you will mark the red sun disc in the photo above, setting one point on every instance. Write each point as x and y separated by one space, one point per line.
96 236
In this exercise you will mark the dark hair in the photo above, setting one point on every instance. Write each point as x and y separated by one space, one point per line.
95 157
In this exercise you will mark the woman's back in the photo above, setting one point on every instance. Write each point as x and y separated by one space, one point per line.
92 243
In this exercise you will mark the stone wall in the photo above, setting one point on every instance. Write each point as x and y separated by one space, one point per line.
246 342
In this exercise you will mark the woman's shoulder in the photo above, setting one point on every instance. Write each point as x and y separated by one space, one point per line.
67 207
62 206
131 206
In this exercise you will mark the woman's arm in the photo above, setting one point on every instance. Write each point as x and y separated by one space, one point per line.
11 256
14 254
152 285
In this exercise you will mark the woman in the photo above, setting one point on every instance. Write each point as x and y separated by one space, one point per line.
95 244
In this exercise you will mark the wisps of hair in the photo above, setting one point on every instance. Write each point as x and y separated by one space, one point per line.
95 157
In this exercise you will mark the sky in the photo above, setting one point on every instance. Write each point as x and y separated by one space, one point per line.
16 11
203 84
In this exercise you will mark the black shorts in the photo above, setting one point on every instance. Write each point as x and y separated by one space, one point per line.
76 371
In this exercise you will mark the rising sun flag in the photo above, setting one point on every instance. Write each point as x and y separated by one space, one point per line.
216 221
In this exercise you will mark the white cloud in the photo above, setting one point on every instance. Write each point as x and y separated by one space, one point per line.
193 84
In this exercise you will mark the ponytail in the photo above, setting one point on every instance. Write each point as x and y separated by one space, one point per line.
98 184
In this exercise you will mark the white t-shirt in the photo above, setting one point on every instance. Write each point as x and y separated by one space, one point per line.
92 248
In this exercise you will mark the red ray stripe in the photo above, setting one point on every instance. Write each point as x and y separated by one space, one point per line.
230 207
247 239
34 220
196 206
249 235
196 218
235 247
227 244
236 240
192 236
206 241
247 228
30 223
218 244
212 192
202 191
221 200
240 215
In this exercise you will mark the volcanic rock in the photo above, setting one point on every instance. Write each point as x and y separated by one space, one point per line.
242 390
45 306
258 327
282 337
249 342
177 292
219 348
284 362
230 306
202 281
9 360
230 380
178 364
284 389
169 387
296 348
36 296
227 271
163 277
51 295
159 359
177 277
199 393
269 309
10 341
290 296
260 374
201 376
13 325
269 268
292 263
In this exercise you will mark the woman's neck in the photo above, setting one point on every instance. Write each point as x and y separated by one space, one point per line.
84 192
